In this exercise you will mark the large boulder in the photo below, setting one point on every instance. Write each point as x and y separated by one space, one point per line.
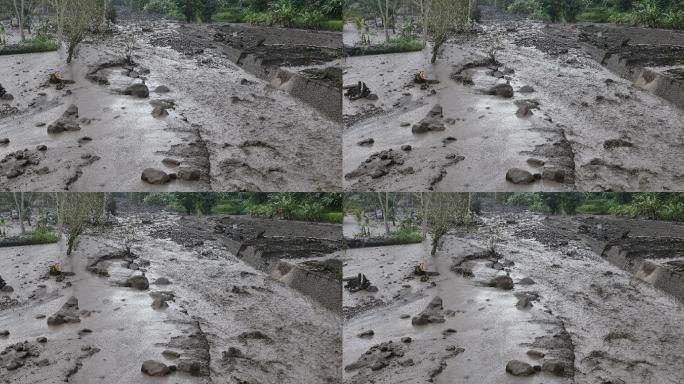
519 176
501 90
137 90
502 282
68 121
155 176
155 368
431 122
519 368
138 282
67 314
431 314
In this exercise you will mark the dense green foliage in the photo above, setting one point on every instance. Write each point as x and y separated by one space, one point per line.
655 206
648 13
326 207
309 14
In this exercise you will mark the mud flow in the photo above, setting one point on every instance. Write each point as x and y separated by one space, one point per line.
182 299
519 105
156 105
520 297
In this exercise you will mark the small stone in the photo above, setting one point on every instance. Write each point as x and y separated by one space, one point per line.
366 335
42 339
42 147
406 147
170 354
171 162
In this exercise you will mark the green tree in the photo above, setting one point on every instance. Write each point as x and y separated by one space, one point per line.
188 8
207 8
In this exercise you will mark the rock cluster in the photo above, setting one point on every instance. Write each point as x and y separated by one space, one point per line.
68 121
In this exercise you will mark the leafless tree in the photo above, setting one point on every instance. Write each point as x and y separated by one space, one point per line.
75 18
445 16
424 6
445 211
22 9
78 210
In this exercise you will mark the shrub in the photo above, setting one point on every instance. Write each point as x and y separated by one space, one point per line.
42 235
310 19
283 12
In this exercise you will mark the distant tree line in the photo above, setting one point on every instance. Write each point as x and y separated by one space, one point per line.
649 13
649 205
286 205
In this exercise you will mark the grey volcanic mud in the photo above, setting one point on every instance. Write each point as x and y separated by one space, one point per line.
160 294
161 106
548 304
524 107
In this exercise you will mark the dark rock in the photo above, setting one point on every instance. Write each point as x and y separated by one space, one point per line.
4 141
519 176
233 352
431 314
366 142
137 90
67 314
535 162
366 334
554 174
162 281
42 340
535 354
553 366
162 89
406 147
159 111
519 368
526 281
170 354
138 282
154 176
526 89
68 122
42 147
171 162
155 368
502 282
189 174
501 90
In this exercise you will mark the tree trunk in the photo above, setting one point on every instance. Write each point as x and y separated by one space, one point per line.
20 17
20 208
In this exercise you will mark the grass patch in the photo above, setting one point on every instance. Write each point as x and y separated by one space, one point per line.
40 235
334 217
403 44
403 235
333 25
30 46
594 15
228 208
230 15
